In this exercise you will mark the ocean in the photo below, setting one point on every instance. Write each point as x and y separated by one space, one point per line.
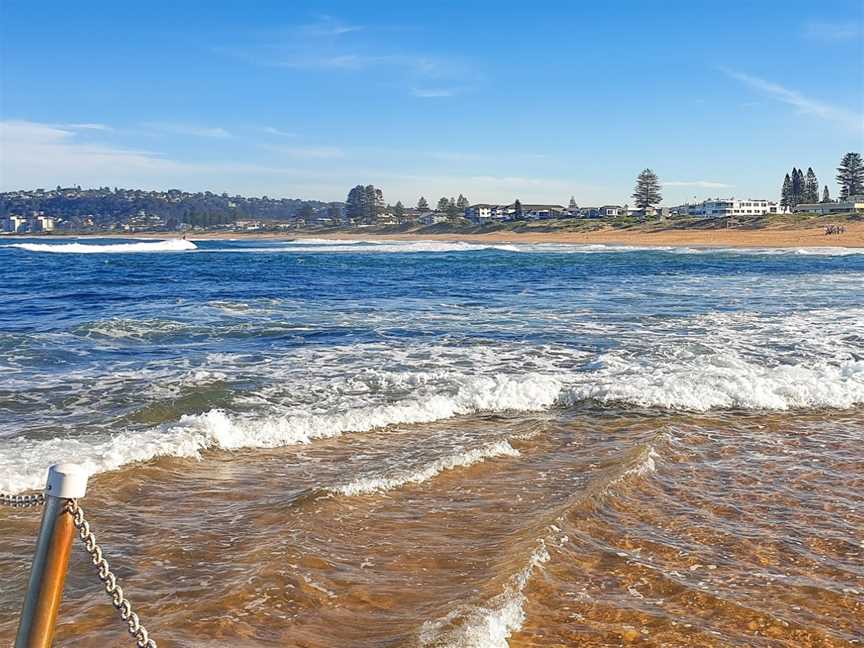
425 444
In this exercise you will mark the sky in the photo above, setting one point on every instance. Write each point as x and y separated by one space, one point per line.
494 100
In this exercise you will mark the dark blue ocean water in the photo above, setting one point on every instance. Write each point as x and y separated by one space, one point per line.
100 343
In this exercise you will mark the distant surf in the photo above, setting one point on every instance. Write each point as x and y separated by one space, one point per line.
172 245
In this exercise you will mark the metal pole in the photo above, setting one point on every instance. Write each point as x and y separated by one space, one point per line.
48 572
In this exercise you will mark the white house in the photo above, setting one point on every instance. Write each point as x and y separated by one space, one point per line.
723 207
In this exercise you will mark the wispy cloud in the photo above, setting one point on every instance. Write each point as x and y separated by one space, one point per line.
309 152
331 45
834 31
277 131
805 105
431 93
326 26
92 127
704 184
188 129
41 155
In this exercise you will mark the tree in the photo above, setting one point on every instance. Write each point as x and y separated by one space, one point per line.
811 187
797 186
826 197
452 209
786 193
647 191
850 175
517 208
422 205
462 202
399 210
443 204
573 204
355 205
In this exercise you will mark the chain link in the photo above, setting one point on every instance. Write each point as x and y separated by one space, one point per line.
109 580
22 501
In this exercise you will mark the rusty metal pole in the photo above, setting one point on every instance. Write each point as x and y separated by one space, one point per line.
48 571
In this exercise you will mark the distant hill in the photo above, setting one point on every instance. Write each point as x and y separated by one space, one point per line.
106 206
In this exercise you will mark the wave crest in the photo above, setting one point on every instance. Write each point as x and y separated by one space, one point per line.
173 245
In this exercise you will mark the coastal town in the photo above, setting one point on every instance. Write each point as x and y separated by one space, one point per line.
77 210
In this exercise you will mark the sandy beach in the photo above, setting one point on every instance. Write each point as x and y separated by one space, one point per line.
781 236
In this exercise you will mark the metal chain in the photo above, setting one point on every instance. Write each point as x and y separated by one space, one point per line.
22 501
109 580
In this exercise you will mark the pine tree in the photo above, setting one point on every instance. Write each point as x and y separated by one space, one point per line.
399 209
572 204
422 205
786 193
850 175
462 202
452 208
517 208
647 190
811 187
443 203
355 205
826 197
797 187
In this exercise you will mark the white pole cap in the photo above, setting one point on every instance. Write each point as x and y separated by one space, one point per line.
66 480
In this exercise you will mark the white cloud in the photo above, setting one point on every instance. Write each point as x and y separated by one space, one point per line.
704 184
805 105
187 129
43 155
833 31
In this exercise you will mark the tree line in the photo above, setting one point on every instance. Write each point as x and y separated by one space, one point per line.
109 206
800 188
365 205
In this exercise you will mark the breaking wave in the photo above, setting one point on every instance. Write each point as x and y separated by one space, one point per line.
370 485
491 625
173 245
722 382
23 462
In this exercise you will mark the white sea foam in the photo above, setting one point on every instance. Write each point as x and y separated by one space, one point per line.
488 626
173 245
23 461
721 381
368 485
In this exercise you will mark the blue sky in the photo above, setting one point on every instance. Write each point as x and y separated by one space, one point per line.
496 100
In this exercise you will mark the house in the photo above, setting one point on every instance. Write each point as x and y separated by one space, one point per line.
542 212
481 213
433 218
850 204
724 207
611 211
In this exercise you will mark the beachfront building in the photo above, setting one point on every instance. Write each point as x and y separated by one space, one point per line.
482 213
849 205
611 211
542 212
14 224
725 207
487 213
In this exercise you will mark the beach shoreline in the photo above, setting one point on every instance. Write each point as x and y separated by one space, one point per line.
768 237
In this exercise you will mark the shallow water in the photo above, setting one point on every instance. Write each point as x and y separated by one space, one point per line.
434 444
